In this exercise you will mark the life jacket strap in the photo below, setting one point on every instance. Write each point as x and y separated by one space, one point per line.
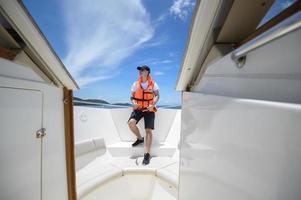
138 99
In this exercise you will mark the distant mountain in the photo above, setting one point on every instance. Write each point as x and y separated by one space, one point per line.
97 101
88 101
102 103
76 98
122 104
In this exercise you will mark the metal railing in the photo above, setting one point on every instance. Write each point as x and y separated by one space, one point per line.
291 24
101 105
109 106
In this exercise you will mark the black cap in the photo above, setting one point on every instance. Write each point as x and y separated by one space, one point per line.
144 67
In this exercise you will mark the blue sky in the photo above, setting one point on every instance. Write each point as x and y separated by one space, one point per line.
101 42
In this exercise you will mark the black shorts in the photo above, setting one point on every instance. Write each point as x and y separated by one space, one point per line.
149 118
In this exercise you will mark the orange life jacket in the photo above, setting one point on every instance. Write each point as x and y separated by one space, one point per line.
144 97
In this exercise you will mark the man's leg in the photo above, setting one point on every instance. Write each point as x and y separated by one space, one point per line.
149 122
134 128
149 139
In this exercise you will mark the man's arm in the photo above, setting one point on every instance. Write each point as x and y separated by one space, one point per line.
135 104
156 99
157 96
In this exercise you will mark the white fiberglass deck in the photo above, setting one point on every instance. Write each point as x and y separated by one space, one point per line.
130 187
106 161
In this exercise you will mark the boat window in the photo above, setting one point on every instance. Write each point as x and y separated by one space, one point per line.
279 11
277 7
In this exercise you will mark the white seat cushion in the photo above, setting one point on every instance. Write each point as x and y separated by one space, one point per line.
83 147
93 175
88 150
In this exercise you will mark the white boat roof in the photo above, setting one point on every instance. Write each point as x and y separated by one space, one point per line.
217 22
37 45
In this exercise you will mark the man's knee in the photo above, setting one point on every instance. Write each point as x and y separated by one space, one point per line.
132 123
149 131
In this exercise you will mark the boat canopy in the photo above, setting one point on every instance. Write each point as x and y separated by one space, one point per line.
218 26
23 42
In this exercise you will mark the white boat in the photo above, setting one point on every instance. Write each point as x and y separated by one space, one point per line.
106 160
236 137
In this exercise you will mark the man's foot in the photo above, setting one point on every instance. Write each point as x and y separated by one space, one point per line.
138 141
146 159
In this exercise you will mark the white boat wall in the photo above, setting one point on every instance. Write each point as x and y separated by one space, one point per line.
27 105
241 130
32 127
236 137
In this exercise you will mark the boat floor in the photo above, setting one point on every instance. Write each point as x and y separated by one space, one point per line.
107 167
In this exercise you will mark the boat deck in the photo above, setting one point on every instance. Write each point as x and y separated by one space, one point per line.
110 155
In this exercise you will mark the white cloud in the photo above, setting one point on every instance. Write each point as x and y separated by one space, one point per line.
181 8
153 61
171 54
158 73
101 33
85 80
162 17
156 41
161 62
169 67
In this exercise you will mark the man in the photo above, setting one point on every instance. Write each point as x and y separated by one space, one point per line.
144 97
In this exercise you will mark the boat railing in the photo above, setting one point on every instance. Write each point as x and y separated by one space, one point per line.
291 24
100 105
106 105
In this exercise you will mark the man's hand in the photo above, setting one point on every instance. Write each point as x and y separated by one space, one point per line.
150 107
135 105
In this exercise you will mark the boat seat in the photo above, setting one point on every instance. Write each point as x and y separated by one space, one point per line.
97 166
126 149
88 150
102 170
169 173
128 163
95 174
